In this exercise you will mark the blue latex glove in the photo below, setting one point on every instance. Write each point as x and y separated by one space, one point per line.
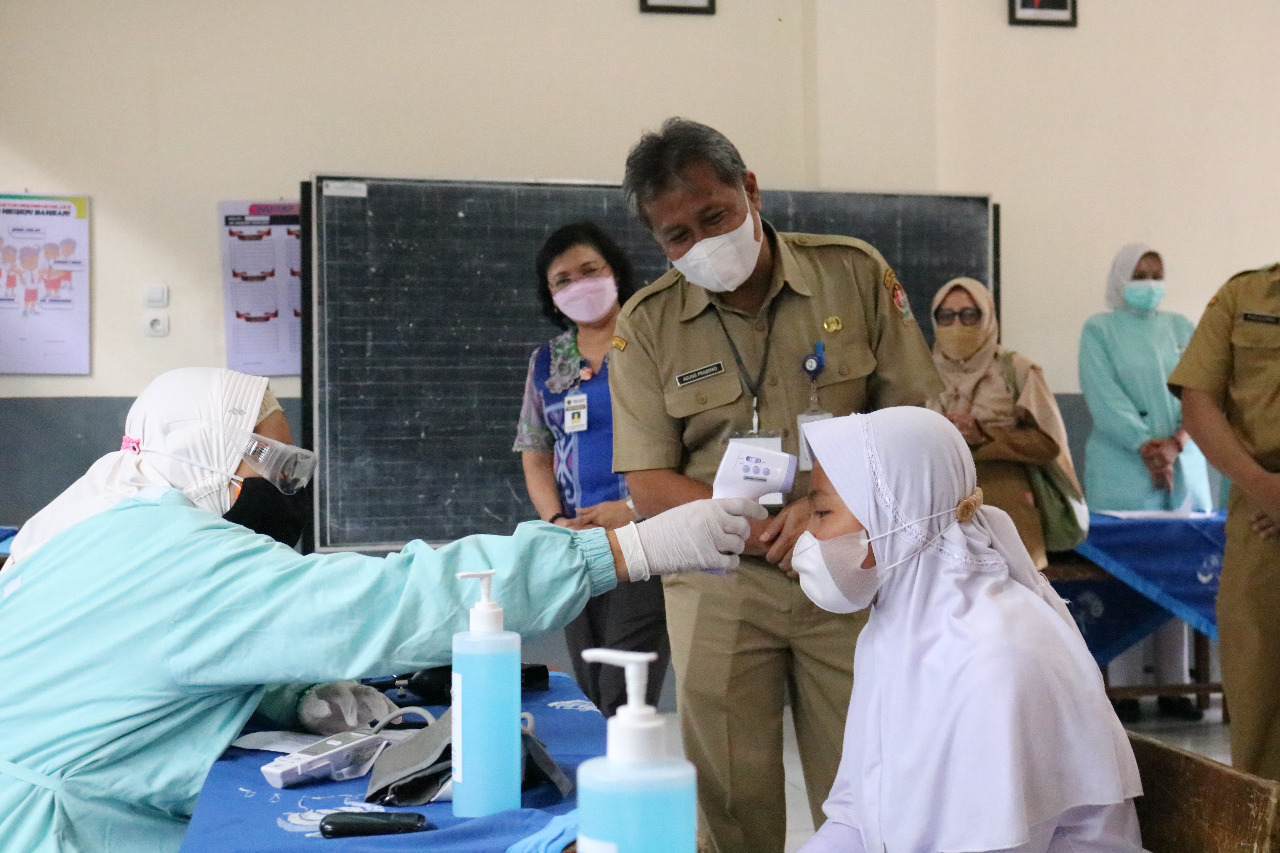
553 838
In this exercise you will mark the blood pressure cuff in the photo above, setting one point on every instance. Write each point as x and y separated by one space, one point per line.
420 770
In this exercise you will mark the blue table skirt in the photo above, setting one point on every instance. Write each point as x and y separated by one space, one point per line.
1168 566
239 811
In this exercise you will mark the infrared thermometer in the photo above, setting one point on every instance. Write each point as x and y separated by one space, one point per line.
754 472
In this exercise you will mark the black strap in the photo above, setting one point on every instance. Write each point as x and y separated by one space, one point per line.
752 386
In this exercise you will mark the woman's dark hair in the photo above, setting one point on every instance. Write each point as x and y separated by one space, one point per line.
581 234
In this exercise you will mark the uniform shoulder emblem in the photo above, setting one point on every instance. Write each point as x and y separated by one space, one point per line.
897 293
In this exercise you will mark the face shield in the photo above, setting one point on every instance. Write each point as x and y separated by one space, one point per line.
286 467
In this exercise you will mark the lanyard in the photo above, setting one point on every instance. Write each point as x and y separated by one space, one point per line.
753 386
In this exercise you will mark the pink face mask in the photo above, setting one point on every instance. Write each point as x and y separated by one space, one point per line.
587 300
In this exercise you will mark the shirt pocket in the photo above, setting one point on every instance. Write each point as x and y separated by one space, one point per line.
702 395
1256 349
842 385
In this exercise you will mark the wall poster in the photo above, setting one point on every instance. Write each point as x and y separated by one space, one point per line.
261 280
44 284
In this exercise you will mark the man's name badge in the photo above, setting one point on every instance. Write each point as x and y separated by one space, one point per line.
575 412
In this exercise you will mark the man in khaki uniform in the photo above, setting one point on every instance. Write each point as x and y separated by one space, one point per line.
697 363
1229 382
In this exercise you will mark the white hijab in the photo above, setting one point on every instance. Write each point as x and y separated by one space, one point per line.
175 423
1122 273
977 711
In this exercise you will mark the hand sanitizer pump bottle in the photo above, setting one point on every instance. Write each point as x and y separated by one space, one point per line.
639 798
486 710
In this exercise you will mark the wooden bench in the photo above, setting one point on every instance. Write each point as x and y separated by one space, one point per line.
1193 804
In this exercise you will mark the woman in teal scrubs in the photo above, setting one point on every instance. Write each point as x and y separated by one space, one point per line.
1138 456
140 629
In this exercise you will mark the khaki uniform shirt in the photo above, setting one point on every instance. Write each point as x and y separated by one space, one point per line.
1235 355
677 393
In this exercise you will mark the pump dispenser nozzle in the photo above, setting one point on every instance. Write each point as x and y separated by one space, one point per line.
636 732
486 615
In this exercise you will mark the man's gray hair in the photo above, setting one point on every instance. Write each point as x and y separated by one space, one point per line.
656 161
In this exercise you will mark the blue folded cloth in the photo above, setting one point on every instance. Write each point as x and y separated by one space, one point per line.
552 838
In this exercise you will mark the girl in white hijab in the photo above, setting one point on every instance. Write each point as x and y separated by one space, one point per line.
978 720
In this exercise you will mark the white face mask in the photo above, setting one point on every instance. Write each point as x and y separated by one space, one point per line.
831 572
723 263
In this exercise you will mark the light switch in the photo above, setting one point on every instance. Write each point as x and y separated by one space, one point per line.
156 295
155 324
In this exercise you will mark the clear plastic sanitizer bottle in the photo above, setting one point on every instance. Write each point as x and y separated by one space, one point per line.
486 710
639 798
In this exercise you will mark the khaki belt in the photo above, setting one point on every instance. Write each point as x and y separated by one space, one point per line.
31 777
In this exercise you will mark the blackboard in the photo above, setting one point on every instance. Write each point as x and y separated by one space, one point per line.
424 311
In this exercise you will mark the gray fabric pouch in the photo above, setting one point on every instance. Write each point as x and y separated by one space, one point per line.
420 770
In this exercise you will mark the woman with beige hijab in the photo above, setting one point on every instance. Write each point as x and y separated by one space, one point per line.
1001 404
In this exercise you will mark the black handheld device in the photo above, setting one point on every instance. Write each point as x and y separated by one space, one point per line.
346 824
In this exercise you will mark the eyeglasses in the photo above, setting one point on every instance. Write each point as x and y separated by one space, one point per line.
968 316
589 271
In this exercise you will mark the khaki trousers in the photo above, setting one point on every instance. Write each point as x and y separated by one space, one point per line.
739 644
1249 640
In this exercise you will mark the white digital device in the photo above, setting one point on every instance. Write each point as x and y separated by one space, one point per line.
346 755
750 471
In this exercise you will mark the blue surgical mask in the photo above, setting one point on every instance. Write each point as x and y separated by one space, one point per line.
1143 295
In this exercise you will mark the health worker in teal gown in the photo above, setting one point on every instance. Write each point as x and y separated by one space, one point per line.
140 628
1138 456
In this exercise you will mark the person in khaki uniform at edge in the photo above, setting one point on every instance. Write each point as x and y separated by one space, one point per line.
702 351
1229 383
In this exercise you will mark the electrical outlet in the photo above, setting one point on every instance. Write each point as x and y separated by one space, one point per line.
155 324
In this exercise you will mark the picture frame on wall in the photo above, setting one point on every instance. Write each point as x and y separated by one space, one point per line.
1043 13
681 7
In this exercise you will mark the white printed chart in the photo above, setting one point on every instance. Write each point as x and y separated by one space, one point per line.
261 270
44 284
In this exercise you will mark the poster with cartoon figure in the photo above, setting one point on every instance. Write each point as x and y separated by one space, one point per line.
44 284
261 270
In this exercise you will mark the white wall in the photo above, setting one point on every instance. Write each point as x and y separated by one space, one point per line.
1122 129
1150 122
157 110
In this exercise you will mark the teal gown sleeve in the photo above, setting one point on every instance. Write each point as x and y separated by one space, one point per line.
139 640
258 613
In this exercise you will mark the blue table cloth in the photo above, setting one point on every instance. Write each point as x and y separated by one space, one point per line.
239 811
1168 566
6 540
